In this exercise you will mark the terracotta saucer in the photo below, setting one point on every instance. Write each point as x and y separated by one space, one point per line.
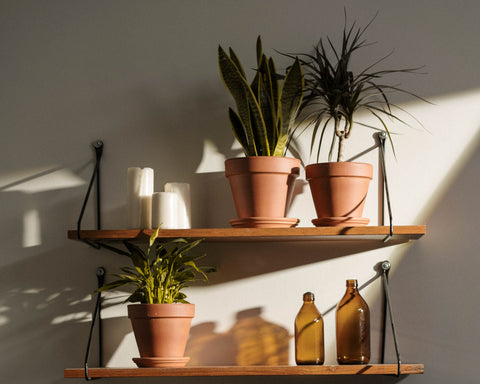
156 362
340 221
264 222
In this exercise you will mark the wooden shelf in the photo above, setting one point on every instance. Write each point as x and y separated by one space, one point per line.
376 233
281 370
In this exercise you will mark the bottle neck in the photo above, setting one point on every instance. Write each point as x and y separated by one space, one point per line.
352 285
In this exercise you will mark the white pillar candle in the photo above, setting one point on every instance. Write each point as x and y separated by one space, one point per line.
165 210
146 212
147 182
134 175
184 210
146 192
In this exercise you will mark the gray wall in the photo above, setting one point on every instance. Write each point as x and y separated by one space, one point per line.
142 76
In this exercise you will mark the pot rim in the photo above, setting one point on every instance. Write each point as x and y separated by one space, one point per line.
339 169
262 164
161 310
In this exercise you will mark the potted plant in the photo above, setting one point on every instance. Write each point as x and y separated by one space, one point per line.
262 182
161 319
334 94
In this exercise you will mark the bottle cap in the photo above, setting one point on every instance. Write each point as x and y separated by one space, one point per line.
352 283
308 296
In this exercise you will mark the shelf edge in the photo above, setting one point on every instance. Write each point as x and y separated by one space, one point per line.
311 370
409 232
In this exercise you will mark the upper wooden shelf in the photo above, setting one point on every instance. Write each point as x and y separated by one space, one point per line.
401 233
255 370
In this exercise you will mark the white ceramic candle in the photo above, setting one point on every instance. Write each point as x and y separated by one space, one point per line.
134 175
164 210
184 210
146 192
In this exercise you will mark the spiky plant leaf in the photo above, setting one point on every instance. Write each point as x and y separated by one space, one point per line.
334 93
159 274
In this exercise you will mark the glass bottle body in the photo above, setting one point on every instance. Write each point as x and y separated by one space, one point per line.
353 327
309 343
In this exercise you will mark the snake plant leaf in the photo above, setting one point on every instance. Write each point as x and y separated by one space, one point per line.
258 123
237 63
274 92
259 50
290 100
259 130
234 81
247 106
266 101
240 132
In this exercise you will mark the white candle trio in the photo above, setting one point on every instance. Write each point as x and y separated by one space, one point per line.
147 209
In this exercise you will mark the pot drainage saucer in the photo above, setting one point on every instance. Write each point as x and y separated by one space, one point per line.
340 221
264 222
156 362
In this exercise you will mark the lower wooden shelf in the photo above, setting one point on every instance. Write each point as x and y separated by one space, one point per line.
255 370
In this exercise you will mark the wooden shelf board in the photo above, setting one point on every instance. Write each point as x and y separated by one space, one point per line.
403 233
281 370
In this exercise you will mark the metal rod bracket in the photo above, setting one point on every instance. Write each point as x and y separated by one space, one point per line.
98 147
385 266
100 272
382 136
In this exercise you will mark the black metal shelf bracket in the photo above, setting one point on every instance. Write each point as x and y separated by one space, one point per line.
98 146
382 136
100 272
385 268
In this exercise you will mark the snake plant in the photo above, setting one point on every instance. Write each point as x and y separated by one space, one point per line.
266 110
159 274
334 93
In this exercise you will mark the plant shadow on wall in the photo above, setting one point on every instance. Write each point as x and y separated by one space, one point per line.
250 341
44 307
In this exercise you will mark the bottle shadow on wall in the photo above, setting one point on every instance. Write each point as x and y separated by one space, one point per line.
252 340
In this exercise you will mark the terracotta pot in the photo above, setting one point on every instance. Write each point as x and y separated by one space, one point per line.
339 191
161 332
262 187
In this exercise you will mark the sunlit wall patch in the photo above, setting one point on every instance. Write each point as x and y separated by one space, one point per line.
31 234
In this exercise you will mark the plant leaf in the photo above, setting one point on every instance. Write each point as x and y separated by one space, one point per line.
290 101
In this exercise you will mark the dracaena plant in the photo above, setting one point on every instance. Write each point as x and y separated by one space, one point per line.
267 107
334 94
159 274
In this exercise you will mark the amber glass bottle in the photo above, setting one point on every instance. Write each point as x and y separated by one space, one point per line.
309 347
353 327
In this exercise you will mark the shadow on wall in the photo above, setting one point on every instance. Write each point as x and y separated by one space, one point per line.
44 314
251 341
242 260
435 287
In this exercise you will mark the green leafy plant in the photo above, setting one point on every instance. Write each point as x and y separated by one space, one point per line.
266 110
334 93
161 273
